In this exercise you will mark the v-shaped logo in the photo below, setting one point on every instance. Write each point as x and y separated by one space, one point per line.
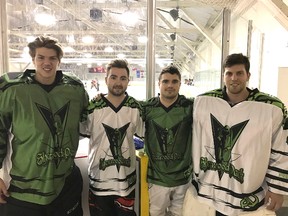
166 139
116 137
225 139
56 122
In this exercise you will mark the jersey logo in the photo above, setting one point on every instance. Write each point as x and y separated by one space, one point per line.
116 137
56 123
166 138
249 202
224 139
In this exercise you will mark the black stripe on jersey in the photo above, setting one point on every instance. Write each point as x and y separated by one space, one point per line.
254 208
276 169
277 187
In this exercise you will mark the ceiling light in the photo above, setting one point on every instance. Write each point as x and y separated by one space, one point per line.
44 16
96 14
108 49
174 14
121 56
129 18
142 39
68 49
45 19
30 39
173 36
88 55
26 49
87 39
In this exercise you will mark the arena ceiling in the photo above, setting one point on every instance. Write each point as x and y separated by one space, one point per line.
181 26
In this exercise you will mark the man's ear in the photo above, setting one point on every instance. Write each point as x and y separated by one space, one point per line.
248 75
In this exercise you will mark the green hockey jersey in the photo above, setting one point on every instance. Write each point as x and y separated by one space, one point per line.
39 134
168 141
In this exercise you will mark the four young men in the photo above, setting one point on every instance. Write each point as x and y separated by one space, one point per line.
239 142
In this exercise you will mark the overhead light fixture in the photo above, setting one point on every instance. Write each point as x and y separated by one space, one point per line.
30 39
68 49
174 13
173 36
88 55
96 14
129 18
87 39
44 16
142 39
121 56
108 49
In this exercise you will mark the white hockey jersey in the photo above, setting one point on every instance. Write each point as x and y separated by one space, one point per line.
239 152
112 168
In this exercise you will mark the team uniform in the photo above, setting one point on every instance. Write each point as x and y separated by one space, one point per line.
38 140
112 159
240 151
168 143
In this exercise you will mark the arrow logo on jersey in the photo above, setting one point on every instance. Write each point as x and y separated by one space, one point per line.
225 139
166 139
116 137
56 123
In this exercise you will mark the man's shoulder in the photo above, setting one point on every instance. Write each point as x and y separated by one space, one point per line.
10 79
184 101
151 102
263 97
133 103
213 93
72 79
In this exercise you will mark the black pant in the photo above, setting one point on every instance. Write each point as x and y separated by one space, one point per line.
112 205
67 203
219 214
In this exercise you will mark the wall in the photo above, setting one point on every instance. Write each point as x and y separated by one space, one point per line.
282 85
269 44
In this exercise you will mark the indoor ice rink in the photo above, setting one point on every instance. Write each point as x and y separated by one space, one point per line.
194 35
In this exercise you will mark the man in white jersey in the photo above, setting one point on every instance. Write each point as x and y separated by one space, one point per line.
111 122
239 146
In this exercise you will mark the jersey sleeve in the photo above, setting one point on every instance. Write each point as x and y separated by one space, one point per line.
277 174
86 120
5 124
140 123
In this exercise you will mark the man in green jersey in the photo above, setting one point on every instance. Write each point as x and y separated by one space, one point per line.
168 143
39 123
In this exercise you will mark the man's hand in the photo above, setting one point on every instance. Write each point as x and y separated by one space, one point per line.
274 201
3 192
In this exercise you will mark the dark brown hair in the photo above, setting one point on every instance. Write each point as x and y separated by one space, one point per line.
47 42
